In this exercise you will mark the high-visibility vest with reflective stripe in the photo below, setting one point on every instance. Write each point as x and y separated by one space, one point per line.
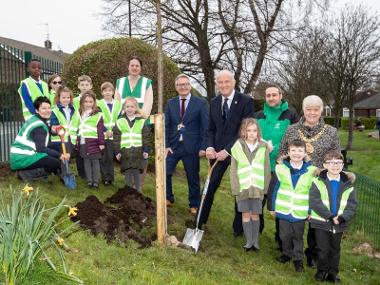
34 93
290 200
52 95
88 127
63 122
249 174
74 126
109 117
140 99
23 150
76 102
321 186
130 137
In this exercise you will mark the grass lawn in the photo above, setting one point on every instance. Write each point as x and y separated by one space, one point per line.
221 259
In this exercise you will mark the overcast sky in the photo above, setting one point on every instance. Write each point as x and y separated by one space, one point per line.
71 23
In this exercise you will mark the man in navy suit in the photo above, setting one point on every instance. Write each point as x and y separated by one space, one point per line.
186 121
227 110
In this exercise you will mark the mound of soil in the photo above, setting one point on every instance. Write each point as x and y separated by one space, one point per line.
5 170
126 215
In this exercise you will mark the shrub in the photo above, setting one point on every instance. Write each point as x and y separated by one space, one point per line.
27 230
331 121
369 123
344 123
107 60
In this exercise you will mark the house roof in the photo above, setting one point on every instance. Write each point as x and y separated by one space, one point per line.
372 102
54 55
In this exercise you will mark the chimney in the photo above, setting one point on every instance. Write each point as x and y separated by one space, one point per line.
48 44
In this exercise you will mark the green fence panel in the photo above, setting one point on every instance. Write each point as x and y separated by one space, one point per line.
367 217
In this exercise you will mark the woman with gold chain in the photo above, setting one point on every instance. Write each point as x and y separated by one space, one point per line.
319 138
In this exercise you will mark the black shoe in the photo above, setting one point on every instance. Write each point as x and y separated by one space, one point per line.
107 182
320 276
311 263
252 248
95 185
89 184
236 234
332 277
298 265
283 258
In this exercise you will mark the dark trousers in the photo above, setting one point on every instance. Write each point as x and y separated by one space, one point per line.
329 251
80 166
237 224
215 180
191 165
261 216
292 238
312 250
49 163
106 162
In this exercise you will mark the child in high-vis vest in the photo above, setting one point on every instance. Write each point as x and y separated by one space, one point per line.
288 199
333 203
61 115
31 88
84 85
111 110
131 142
90 141
250 176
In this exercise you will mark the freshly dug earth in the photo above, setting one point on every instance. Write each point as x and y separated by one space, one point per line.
126 215
5 170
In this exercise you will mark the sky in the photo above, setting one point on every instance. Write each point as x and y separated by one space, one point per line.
71 23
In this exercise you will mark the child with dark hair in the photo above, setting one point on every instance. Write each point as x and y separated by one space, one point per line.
332 203
288 200
31 88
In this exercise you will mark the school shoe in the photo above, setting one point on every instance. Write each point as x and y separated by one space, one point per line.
95 185
108 182
169 203
89 184
298 265
320 276
311 263
251 248
193 211
332 277
283 258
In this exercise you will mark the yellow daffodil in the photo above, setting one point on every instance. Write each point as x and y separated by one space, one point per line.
27 189
73 211
60 241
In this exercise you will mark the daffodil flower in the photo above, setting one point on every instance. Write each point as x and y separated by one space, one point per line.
60 241
73 211
27 189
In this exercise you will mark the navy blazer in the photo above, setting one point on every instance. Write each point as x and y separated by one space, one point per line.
223 136
195 121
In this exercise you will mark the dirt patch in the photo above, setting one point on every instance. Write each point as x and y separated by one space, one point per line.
125 215
366 249
5 171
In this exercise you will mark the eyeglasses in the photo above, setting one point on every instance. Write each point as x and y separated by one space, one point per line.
334 162
56 82
182 84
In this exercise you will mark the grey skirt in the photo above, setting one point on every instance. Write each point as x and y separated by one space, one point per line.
254 206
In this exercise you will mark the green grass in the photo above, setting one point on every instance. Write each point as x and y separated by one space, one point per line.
221 259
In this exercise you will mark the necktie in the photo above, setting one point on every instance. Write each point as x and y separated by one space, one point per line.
225 110
182 108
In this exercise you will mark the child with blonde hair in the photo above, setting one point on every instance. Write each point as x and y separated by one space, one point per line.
250 176
131 142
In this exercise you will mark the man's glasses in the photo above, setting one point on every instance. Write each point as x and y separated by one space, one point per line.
183 84
57 82
334 162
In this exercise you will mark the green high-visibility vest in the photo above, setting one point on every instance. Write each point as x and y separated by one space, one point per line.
321 186
63 122
88 126
23 150
52 95
130 137
34 93
249 174
109 117
76 102
290 200
74 126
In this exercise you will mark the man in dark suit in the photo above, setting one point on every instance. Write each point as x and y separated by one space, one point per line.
227 110
186 121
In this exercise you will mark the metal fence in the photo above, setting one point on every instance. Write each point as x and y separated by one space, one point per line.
367 217
13 69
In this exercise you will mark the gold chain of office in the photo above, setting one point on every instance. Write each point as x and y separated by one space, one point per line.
309 141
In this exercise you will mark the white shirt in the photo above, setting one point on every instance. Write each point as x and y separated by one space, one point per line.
296 167
230 99
252 147
330 178
186 102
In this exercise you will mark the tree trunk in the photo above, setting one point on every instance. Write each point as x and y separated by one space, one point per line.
351 120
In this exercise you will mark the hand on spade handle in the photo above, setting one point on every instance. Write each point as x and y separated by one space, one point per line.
61 132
